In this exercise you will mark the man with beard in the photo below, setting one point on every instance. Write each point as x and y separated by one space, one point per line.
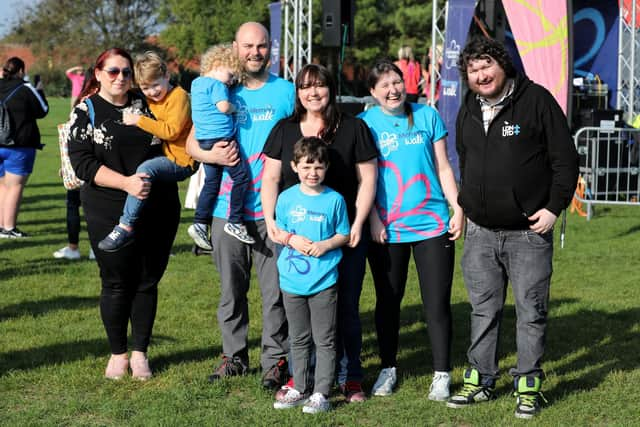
260 101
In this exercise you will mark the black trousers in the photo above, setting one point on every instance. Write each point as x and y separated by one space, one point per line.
73 216
389 263
130 276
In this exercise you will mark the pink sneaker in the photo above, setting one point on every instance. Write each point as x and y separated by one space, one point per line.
283 390
140 367
117 367
353 392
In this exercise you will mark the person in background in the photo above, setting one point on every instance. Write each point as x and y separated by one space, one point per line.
518 171
105 153
416 187
76 75
411 72
25 105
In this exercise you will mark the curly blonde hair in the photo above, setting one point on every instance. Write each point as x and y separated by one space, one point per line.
220 55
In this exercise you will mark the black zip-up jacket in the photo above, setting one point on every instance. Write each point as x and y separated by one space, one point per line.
25 106
525 162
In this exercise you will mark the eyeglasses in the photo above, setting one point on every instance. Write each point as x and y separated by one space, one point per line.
115 71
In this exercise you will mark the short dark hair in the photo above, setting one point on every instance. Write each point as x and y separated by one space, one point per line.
311 147
479 47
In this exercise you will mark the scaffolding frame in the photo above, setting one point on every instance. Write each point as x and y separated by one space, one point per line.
438 29
628 99
297 35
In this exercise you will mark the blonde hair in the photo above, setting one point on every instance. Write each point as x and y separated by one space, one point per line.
220 55
149 67
405 52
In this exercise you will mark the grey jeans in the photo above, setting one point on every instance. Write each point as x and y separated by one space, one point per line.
312 320
491 258
233 260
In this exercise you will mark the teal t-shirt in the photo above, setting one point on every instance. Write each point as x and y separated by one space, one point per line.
409 197
210 122
316 217
257 111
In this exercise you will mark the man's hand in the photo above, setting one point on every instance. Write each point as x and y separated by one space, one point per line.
543 221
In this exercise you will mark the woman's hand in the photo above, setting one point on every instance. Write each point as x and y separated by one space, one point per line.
137 185
274 233
378 230
355 235
456 224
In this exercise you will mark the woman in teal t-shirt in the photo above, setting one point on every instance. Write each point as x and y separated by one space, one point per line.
411 214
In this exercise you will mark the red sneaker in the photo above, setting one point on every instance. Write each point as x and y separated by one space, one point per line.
283 390
353 392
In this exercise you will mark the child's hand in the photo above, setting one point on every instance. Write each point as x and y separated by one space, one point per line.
130 119
317 249
300 243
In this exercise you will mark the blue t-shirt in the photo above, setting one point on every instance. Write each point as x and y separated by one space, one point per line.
409 197
257 111
210 122
316 217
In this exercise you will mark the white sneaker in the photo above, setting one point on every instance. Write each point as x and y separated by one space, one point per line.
385 383
92 255
67 253
316 403
439 389
200 235
291 399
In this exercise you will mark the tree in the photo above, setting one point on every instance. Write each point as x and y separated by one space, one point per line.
77 31
191 26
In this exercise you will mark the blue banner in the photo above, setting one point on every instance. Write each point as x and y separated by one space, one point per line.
276 30
458 20
595 48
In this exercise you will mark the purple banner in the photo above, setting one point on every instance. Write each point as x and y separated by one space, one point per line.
276 30
458 20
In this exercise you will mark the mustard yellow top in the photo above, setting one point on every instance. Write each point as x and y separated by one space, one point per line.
172 124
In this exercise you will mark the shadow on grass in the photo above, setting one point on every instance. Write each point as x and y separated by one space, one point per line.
39 308
630 231
36 266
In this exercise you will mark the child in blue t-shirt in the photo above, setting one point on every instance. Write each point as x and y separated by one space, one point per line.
212 117
312 224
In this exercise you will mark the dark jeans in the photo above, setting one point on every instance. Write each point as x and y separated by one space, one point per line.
213 179
434 261
492 258
73 216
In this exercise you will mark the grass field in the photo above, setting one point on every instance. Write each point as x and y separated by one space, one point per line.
53 348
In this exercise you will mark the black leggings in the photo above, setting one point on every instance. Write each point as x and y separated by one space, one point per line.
130 276
434 259
73 216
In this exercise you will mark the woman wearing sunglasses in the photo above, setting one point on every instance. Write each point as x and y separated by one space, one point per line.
105 153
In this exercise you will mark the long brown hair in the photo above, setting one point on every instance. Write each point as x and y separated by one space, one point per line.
93 85
380 68
314 73
12 67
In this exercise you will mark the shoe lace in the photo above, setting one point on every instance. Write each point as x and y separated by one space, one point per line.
530 399
469 389
114 235
227 367
316 399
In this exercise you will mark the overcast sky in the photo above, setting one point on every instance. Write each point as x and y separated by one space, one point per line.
9 12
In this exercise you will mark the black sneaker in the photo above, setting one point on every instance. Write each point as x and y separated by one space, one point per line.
529 397
14 233
230 367
277 375
116 240
472 391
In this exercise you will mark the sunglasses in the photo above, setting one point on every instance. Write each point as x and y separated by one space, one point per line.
114 72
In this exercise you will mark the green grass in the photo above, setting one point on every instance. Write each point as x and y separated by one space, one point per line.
53 348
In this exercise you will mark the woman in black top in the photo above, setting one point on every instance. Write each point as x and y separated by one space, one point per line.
352 173
25 104
105 153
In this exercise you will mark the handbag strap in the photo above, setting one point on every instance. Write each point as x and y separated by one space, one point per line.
11 94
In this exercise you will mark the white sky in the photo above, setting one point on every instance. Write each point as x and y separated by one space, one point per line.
9 12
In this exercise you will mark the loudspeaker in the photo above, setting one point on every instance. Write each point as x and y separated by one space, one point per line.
336 14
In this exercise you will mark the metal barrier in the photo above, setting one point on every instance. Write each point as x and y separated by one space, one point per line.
609 167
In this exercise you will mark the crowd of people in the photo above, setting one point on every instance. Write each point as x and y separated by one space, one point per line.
307 194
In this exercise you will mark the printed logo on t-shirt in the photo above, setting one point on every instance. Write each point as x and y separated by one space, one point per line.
300 214
510 130
257 114
388 143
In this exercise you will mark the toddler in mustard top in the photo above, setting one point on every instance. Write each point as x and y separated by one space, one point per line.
172 110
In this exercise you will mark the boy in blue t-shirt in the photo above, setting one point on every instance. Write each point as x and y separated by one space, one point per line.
313 224
212 117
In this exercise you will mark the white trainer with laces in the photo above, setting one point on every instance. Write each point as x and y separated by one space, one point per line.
385 383
439 389
291 399
316 403
67 253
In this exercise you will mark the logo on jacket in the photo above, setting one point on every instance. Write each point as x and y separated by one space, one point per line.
510 130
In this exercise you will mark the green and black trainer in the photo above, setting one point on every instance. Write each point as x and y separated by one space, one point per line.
529 397
472 391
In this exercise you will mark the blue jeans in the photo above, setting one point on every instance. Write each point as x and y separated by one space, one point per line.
490 259
213 179
349 343
159 169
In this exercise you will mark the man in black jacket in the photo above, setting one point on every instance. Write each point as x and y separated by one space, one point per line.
518 169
